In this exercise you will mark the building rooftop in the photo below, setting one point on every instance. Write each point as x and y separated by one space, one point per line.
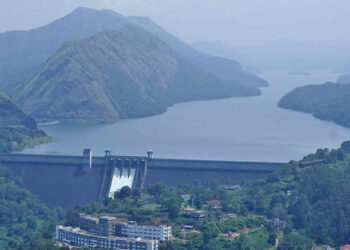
78 230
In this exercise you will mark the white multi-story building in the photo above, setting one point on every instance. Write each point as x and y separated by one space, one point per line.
132 230
112 226
79 238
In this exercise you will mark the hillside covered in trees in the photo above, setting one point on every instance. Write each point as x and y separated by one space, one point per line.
17 130
328 101
305 203
115 75
313 200
25 222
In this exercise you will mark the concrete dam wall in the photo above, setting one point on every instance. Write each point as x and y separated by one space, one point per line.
201 172
66 181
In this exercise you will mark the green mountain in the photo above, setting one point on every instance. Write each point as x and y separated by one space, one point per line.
23 52
17 130
116 75
25 222
312 196
328 101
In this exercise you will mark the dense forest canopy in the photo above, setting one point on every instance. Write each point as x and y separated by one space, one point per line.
25 222
328 101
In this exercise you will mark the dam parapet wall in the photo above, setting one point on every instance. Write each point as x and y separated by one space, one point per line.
154 163
210 165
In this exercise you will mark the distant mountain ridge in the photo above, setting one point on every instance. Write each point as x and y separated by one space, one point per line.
283 54
24 52
328 101
115 75
224 68
344 78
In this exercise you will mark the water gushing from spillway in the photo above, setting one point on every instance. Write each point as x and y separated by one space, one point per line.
121 180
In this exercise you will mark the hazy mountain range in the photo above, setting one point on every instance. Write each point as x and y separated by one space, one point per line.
345 78
117 67
284 54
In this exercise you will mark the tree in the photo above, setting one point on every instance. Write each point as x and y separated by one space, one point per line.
172 204
123 193
301 212
209 230
272 238
155 189
136 193
295 241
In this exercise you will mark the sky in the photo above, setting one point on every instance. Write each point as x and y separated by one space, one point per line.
227 21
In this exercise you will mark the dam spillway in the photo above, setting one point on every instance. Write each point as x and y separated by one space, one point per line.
66 181
121 179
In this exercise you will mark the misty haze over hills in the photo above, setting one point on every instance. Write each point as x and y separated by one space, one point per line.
284 54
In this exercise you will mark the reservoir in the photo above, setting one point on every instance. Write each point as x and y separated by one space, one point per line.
248 128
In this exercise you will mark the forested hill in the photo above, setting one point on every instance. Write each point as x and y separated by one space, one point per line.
23 52
11 115
25 222
328 101
313 200
115 75
17 130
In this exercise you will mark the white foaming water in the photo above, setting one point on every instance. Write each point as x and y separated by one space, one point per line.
121 180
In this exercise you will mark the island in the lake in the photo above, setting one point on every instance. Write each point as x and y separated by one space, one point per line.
328 101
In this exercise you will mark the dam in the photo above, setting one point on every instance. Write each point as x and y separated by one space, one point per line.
67 181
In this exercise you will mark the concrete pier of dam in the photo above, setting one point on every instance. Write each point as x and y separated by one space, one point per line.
66 181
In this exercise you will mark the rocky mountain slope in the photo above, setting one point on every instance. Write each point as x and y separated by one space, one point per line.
328 101
116 75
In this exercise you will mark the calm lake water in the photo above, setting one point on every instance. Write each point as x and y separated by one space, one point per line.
252 128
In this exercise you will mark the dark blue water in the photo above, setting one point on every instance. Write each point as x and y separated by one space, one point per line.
253 129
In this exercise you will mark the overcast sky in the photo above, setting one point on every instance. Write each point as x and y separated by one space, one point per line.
228 21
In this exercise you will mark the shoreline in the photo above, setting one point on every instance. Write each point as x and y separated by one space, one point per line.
44 124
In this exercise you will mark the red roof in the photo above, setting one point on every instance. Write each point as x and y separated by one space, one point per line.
345 247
